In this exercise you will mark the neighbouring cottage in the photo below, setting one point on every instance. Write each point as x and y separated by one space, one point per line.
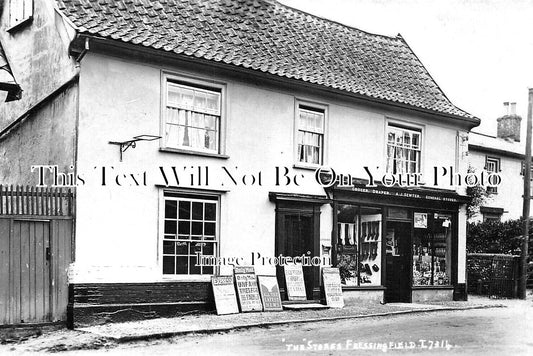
197 127
505 155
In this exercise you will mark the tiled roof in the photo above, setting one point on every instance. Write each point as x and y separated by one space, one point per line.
269 37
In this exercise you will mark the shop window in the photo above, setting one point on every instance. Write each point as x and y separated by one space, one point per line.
310 136
190 227
403 150
20 11
432 244
358 245
492 165
193 114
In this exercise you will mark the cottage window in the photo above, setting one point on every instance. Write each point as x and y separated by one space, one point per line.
492 165
403 150
491 217
190 229
491 213
193 115
20 11
310 139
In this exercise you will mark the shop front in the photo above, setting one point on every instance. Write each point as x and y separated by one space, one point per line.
396 245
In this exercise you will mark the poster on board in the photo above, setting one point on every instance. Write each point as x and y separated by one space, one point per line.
224 293
269 290
421 220
294 282
247 290
332 287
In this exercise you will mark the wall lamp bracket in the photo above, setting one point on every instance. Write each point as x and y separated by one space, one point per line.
124 145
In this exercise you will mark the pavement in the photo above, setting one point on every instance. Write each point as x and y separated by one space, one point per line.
210 323
109 335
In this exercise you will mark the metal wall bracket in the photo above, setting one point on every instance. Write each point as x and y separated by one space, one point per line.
124 145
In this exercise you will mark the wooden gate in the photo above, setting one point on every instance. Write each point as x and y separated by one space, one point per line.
35 252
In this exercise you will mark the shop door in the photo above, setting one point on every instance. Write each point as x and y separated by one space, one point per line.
296 237
398 260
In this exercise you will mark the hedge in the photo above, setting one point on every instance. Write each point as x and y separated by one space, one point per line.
495 237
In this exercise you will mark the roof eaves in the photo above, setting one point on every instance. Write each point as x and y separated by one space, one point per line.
497 151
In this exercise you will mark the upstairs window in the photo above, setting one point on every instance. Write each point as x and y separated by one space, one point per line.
403 150
492 165
192 117
310 140
20 11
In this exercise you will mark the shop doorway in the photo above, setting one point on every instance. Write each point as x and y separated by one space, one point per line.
297 234
299 231
398 262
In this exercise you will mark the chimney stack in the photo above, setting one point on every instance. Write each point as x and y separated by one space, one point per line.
509 123
512 108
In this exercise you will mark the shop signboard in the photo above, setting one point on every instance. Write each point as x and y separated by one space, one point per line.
270 296
294 281
224 293
332 287
247 290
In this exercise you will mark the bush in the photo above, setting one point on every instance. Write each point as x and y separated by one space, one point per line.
495 236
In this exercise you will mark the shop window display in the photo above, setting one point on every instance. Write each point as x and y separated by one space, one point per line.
432 249
359 245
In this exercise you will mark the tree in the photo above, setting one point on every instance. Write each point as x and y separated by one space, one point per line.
478 195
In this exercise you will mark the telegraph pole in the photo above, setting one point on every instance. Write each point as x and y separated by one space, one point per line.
527 200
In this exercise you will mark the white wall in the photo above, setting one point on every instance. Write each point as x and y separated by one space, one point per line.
117 227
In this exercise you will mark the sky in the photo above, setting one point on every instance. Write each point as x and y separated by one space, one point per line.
480 52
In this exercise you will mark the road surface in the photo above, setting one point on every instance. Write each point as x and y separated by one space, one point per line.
495 331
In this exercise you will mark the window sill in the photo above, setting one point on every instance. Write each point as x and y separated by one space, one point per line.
20 25
310 167
193 153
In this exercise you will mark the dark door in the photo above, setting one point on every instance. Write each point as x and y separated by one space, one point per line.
296 237
398 260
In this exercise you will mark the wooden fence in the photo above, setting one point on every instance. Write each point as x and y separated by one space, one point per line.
36 244
495 275
26 200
